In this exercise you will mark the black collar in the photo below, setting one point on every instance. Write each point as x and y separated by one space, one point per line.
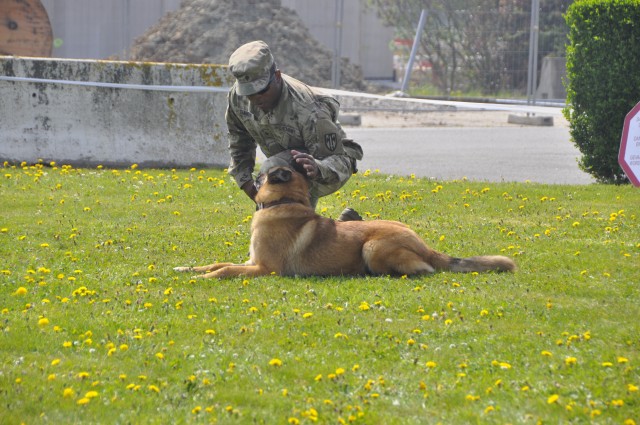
264 206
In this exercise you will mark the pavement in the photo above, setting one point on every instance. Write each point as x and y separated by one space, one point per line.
476 145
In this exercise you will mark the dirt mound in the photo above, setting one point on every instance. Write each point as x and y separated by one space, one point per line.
208 31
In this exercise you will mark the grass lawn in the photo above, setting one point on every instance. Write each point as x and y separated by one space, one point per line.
95 327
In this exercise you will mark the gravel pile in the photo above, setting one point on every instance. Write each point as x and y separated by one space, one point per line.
208 31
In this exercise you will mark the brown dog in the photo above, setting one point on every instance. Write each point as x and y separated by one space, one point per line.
288 238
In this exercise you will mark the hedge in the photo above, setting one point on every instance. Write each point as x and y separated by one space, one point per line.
603 80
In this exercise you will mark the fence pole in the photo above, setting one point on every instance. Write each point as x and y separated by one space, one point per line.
532 75
337 46
414 49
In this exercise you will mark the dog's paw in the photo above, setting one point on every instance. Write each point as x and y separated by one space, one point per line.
183 269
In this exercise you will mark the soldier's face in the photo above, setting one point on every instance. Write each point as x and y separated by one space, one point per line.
267 98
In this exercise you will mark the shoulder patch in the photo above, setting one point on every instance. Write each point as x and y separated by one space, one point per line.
331 141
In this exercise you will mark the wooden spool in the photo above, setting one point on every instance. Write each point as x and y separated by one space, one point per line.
25 29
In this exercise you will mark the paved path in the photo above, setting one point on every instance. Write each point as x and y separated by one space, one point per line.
494 154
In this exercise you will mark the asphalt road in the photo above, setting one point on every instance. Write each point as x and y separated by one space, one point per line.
492 154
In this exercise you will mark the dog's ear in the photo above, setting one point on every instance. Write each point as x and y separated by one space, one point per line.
279 175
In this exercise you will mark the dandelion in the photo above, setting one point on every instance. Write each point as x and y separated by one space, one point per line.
364 306
68 393
91 394
83 401
307 315
21 291
431 364
553 399
275 362
153 388
570 361
43 321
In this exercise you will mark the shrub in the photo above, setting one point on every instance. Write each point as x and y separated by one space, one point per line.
603 59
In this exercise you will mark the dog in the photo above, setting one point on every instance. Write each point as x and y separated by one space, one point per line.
288 238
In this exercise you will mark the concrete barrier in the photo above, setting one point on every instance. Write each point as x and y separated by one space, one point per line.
88 113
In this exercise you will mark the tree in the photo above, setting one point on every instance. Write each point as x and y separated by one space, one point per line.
477 44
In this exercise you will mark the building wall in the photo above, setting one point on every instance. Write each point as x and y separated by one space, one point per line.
99 29
365 40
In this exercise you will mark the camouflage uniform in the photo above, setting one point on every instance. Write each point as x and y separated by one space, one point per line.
304 119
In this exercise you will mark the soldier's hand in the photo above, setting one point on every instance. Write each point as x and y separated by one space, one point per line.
250 189
307 162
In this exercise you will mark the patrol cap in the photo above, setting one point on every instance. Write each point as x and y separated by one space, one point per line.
252 64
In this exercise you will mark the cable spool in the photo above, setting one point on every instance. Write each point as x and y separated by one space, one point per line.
25 29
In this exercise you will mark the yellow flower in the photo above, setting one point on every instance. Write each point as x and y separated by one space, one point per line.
275 362
43 321
431 364
68 393
91 394
553 399
21 291
83 400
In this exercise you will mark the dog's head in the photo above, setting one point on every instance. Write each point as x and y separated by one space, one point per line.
282 183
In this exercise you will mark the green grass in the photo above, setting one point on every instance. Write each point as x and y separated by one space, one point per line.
97 328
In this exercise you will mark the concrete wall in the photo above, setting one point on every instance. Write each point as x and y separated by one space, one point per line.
112 126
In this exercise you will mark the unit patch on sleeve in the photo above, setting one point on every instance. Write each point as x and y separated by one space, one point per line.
331 141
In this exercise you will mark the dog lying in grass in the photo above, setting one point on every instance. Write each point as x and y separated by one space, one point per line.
288 238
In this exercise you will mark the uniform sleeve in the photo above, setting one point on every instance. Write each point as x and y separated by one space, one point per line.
242 147
324 139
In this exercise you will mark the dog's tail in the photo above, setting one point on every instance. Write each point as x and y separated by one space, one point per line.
479 263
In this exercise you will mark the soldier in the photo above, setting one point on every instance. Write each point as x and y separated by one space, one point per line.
290 122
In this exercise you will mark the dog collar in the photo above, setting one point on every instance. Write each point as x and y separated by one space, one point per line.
264 206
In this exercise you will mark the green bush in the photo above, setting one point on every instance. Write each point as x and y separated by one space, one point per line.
603 60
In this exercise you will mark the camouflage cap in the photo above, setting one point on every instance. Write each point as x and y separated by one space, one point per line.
252 65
